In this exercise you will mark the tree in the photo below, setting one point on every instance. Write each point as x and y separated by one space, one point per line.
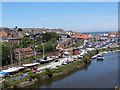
50 40
49 46
16 27
39 48
19 30
25 42
50 35
5 53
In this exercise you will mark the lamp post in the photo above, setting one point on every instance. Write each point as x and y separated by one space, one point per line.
43 51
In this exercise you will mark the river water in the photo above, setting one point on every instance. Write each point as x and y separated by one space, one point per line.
99 74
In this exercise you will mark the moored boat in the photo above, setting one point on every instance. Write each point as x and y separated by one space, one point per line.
100 58
94 57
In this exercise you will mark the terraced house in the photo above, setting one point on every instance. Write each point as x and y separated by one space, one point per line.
23 52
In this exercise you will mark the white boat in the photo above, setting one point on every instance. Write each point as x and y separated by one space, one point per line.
105 52
100 58
67 53
48 59
41 68
80 56
10 70
64 63
75 56
100 55
113 51
31 64
90 49
94 57
21 68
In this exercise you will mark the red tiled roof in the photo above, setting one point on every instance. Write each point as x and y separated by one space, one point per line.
83 36
23 49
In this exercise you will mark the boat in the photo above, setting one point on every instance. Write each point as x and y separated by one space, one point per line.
80 56
10 70
94 57
31 64
2 74
100 58
105 52
21 68
100 55
64 63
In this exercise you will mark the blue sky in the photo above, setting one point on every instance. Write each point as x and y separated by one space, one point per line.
82 16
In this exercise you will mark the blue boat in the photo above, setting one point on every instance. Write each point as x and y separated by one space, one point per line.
2 74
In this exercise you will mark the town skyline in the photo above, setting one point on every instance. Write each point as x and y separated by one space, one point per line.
81 17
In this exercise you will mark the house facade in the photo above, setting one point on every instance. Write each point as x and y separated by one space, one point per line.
15 40
23 52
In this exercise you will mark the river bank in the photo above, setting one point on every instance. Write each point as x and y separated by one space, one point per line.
53 73
99 74
48 73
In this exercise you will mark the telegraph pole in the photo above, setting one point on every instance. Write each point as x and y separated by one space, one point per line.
34 47
11 56
19 58
34 44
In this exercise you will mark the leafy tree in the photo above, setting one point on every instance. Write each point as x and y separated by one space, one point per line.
50 39
39 40
40 48
49 46
16 28
16 46
5 53
25 42
19 29
50 35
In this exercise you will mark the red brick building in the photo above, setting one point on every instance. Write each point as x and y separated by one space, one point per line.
76 51
23 52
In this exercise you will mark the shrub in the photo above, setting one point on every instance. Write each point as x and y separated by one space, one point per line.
37 76
31 76
6 84
48 72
